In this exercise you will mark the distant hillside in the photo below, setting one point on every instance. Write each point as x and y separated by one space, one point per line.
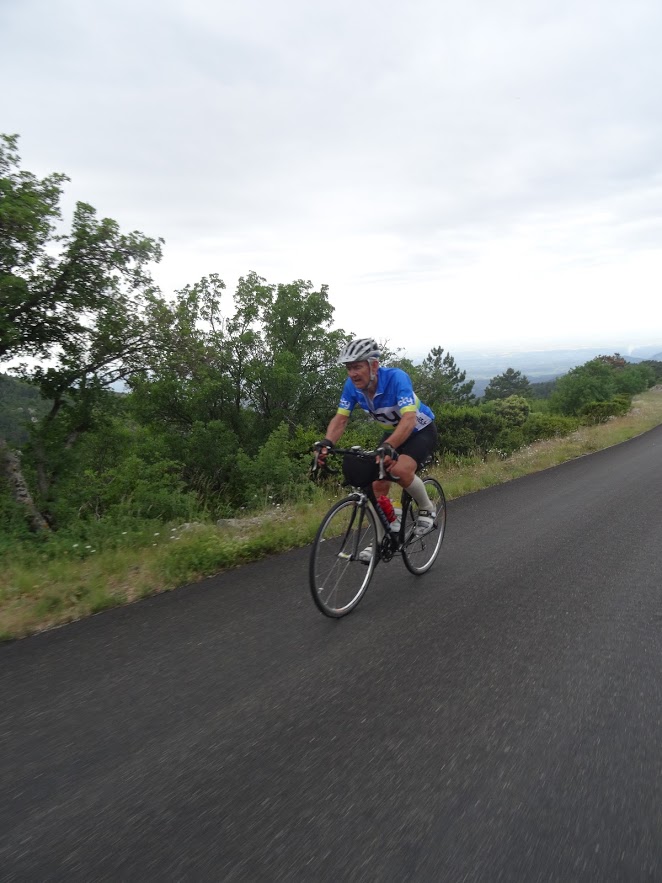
539 366
480 383
653 352
534 363
20 405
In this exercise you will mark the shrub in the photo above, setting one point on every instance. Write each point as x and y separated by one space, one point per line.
634 378
513 410
595 381
13 523
509 440
600 412
131 487
623 402
272 473
208 452
542 425
466 430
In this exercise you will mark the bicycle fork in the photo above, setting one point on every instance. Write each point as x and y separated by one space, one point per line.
387 541
349 548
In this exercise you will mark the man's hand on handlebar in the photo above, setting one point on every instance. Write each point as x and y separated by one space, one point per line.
319 468
390 455
322 448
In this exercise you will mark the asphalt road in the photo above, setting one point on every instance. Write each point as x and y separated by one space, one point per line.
496 719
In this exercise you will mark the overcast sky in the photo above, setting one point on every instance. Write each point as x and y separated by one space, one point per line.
463 174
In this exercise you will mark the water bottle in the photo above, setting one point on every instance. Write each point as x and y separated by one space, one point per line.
392 514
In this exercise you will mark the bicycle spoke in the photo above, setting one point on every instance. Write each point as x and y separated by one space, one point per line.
420 552
338 579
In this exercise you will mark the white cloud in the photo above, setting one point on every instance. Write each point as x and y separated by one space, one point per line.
456 173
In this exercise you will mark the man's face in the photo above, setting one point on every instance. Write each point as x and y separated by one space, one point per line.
359 374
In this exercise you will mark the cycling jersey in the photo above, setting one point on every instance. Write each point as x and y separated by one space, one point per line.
393 397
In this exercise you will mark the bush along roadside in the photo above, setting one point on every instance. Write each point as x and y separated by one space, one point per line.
49 583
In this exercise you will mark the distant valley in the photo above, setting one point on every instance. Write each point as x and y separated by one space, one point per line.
540 365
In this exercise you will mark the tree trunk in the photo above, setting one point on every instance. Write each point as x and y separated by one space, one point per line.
10 465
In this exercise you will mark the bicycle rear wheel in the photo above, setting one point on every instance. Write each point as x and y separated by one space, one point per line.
420 553
338 579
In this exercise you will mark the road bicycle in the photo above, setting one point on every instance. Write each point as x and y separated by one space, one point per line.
338 576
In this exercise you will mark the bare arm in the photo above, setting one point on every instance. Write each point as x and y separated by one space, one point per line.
336 427
403 430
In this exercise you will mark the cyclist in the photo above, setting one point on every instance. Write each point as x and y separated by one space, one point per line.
387 395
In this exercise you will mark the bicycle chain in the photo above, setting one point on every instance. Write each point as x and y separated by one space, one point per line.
386 548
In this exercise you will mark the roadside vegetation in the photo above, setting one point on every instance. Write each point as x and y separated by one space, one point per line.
149 441
65 581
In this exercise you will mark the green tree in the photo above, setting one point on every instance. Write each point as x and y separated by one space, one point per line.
294 376
615 361
229 377
631 379
272 360
510 383
437 379
441 381
185 376
514 410
656 367
20 406
29 210
78 300
543 390
51 284
593 382
606 381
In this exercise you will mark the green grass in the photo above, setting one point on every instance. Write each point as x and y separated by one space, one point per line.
39 591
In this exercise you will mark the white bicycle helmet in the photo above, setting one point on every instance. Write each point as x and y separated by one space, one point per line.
358 350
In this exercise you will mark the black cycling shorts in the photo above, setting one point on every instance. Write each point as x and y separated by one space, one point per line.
420 445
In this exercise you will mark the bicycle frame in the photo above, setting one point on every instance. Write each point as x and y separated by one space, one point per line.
340 571
363 499
366 496
396 539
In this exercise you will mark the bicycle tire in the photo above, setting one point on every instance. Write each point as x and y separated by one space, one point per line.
420 553
338 580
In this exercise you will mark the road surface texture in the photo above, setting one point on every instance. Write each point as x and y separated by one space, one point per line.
498 719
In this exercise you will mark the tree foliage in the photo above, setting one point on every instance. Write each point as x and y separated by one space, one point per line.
656 368
543 389
599 380
227 392
438 380
510 383
54 287
20 407
513 410
270 359
77 300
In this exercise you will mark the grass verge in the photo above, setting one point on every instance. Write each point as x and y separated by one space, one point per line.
39 594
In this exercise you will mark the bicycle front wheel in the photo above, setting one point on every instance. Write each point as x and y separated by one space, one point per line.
420 553
338 578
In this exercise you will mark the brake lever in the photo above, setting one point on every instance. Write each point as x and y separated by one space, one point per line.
381 454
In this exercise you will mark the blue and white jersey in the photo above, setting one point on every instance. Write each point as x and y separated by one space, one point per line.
393 397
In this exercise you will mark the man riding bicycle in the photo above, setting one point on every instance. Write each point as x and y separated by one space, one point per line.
387 395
